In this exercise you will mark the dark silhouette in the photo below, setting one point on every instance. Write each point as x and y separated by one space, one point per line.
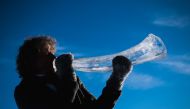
44 86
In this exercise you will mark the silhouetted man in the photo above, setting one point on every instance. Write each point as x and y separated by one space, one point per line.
45 86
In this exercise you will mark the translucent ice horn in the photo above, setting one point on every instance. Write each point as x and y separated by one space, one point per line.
151 48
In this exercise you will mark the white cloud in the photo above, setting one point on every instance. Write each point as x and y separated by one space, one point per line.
61 50
135 80
142 81
78 54
101 77
180 63
172 21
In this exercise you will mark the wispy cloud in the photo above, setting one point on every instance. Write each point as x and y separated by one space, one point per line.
172 21
60 50
101 77
142 81
179 64
135 81
78 54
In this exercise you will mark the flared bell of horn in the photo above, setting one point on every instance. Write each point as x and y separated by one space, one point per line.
151 48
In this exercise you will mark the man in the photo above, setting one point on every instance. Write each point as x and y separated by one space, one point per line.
48 86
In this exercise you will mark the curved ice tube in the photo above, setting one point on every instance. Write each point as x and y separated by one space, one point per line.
151 48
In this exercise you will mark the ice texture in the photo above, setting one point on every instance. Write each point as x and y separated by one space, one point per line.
151 48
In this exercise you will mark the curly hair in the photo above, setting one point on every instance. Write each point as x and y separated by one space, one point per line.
30 50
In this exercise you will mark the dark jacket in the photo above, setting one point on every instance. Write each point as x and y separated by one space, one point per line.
51 92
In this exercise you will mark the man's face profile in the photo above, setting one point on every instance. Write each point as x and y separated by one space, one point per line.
36 56
45 59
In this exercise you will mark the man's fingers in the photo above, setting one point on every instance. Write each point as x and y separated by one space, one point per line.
121 60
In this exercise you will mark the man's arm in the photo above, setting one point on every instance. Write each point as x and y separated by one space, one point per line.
66 73
112 91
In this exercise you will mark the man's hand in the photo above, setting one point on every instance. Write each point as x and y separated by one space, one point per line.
121 68
64 67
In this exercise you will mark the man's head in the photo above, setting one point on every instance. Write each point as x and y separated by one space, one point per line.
36 56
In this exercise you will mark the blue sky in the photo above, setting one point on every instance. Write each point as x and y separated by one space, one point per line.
97 27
